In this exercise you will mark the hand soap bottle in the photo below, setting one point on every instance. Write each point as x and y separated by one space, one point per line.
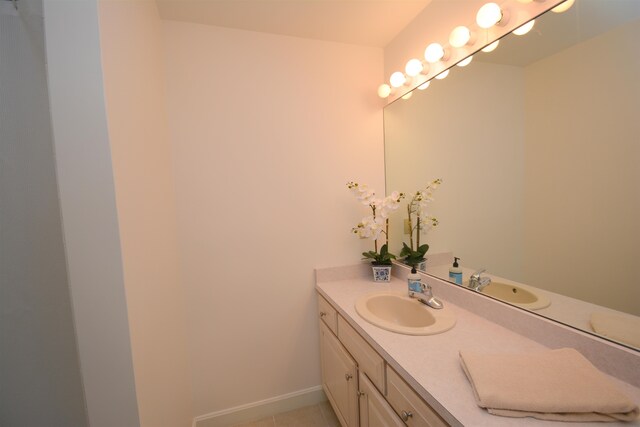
455 272
415 281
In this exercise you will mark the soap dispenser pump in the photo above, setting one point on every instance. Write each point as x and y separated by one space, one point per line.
455 272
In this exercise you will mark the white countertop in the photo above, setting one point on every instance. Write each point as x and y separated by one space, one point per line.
431 365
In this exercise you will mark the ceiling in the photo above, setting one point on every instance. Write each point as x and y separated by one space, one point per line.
360 22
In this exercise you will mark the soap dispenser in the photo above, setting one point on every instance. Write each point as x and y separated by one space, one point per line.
415 281
455 272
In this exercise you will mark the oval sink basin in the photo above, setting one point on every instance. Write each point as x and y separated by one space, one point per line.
396 312
522 296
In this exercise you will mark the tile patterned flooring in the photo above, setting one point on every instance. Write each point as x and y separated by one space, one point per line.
320 415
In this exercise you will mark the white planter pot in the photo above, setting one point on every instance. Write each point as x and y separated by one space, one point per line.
381 273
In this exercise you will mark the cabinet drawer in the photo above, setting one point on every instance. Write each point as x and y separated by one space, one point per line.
368 360
408 405
328 314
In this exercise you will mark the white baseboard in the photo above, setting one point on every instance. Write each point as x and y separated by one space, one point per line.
262 409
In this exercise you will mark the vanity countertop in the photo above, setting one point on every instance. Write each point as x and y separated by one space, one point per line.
431 364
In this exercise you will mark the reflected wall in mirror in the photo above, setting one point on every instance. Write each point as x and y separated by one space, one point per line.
538 146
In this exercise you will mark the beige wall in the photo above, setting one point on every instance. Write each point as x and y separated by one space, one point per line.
574 192
132 56
266 131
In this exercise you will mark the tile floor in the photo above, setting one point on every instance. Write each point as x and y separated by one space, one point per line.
320 415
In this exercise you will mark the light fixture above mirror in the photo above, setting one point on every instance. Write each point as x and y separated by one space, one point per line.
438 57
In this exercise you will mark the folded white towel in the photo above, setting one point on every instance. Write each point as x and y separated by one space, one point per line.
557 385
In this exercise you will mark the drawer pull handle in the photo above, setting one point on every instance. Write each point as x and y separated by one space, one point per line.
322 314
348 376
406 415
361 393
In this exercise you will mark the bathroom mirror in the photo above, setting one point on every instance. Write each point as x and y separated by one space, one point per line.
538 147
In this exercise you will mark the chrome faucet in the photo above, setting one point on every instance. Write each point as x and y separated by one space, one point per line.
425 296
477 282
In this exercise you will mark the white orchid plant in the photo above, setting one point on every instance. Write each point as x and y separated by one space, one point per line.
377 223
419 222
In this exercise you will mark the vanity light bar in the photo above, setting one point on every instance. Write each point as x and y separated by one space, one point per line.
489 15
563 7
524 29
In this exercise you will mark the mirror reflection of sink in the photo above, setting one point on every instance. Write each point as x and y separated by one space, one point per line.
522 296
397 312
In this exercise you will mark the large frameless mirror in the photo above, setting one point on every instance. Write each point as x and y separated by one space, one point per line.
538 147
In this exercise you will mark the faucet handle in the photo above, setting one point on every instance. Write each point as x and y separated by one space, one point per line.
477 274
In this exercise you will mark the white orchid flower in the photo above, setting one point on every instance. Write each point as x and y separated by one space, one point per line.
390 204
361 231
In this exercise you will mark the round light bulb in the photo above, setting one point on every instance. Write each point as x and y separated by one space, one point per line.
460 36
524 29
397 79
442 75
384 90
465 62
424 85
491 47
488 15
434 53
413 67
407 96
563 7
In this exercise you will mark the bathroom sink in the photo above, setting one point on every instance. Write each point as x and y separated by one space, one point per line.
397 312
522 296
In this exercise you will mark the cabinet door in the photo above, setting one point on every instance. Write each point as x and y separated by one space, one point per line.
374 410
339 378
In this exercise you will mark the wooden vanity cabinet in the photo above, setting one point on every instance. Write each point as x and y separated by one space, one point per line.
363 390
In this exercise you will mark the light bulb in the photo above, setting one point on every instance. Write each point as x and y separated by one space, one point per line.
434 53
460 36
408 95
563 7
442 75
489 15
491 47
465 62
397 79
524 29
424 85
413 67
384 90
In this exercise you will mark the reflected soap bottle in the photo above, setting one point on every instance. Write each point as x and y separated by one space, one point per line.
414 281
455 272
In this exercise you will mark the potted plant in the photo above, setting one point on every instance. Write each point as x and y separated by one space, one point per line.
381 263
418 222
415 258
374 225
